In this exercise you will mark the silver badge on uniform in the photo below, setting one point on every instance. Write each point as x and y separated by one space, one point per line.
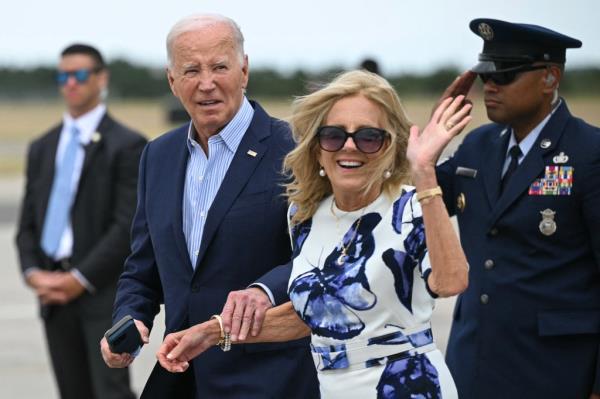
561 158
548 225
545 143
485 31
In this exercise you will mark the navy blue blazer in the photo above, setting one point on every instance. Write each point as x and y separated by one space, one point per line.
528 325
245 237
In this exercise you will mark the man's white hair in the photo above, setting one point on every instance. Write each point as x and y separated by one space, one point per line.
199 21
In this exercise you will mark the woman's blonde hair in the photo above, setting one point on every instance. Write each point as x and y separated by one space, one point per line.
306 188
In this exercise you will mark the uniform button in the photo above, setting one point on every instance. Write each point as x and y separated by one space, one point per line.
494 231
484 298
489 264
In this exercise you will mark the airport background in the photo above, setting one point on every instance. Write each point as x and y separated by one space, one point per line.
292 46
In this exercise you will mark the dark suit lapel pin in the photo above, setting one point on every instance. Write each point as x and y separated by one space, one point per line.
545 143
96 137
252 153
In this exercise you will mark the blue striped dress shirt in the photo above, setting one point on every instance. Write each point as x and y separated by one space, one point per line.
204 175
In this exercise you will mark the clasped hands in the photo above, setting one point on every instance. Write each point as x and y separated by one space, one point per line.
243 313
54 287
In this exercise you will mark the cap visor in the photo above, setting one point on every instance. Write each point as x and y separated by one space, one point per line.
484 67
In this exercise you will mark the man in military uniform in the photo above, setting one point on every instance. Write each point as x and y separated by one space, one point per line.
526 191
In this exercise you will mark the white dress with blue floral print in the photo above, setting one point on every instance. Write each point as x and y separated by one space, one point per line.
369 313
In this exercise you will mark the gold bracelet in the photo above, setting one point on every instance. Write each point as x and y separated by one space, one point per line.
432 192
225 339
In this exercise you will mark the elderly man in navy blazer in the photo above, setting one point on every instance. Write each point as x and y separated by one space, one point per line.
526 192
210 220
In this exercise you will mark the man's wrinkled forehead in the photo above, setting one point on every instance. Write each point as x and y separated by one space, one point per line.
205 41
194 53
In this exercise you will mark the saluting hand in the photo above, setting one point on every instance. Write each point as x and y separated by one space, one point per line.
460 86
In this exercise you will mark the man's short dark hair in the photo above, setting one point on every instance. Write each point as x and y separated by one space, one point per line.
86 49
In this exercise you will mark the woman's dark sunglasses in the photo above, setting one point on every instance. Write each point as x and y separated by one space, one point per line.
507 77
367 139
80 75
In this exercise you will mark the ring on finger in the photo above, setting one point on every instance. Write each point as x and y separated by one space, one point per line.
449 125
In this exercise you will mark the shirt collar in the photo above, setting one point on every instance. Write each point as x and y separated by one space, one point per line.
527 143
86 123
232 133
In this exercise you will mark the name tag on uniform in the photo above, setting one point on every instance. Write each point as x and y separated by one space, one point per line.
466 172
557 180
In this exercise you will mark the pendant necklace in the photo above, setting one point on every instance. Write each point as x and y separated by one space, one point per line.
342 258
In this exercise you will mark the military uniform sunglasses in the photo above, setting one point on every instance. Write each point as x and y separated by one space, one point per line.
367 139
80 75
507 77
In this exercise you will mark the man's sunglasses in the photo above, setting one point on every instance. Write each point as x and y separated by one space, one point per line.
80 75
507 77
367 139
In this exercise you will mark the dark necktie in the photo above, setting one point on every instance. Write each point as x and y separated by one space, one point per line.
515 153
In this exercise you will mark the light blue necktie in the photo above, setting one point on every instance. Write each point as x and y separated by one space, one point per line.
61 197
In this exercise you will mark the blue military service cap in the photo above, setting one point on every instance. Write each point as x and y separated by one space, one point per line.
508 45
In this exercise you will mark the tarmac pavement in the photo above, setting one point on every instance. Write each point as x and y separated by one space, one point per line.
25 371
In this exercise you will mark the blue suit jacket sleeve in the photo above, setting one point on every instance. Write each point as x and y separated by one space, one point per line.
277 281
139 291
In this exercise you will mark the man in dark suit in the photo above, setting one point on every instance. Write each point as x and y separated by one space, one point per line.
525 191
73 234
211 219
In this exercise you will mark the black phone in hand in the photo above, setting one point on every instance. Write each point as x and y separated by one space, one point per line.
124 337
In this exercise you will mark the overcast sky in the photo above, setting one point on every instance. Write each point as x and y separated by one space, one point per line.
403 35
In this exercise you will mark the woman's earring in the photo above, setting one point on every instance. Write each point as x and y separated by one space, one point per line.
387 174
322 172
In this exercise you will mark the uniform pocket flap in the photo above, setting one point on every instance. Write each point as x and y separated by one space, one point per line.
567 322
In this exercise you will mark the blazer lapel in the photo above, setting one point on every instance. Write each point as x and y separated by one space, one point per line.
91 149
239 172
533 164
177 187
494 156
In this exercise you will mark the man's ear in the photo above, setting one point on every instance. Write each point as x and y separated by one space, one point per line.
245 72
104 77
171 80
552 78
